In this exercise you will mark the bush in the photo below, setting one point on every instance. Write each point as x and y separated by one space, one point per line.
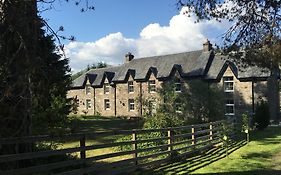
262 115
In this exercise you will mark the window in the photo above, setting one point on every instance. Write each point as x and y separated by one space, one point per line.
131 104
229 107
88 89
228 84
76 101
178 106
151 86
106 88
88 104
152 107
130 86
106 104
178 85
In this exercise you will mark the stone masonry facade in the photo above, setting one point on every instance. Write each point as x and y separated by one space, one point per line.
115 92
240 99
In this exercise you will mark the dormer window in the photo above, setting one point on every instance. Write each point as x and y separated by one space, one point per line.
228 84
88 89
106 88
130 87
178 85
151 86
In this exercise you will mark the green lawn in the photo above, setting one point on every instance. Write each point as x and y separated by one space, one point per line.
98 124
261 156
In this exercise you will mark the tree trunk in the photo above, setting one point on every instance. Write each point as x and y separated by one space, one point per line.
273 95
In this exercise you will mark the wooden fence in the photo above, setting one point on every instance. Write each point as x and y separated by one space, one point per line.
142 149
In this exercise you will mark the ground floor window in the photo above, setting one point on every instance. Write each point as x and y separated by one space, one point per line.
106 104
178 106
88 104
152 107
229 107
178 85
131 104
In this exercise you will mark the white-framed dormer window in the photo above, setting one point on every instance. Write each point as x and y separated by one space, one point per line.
106 104
131 104
178 85
88 89
88 104
130 87
229 107
151 86
106 88
228 84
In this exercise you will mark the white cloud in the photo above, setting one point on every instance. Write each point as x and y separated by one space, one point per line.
182 34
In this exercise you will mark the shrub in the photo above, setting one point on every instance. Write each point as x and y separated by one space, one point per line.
262 115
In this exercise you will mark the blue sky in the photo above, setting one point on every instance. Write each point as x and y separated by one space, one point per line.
145 28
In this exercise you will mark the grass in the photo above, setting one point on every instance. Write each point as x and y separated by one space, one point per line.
98 124
261 156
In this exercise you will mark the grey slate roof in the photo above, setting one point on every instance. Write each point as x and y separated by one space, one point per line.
220 63
201 64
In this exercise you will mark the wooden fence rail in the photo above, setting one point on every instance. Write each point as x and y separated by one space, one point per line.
144 148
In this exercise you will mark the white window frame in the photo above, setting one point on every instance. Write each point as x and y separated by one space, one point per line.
130 87
225 81
177 106
88 89
88 104
229 105
106 104
106 88
131 104
152 83
178 82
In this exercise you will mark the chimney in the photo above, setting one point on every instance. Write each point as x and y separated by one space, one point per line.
207 46
129 57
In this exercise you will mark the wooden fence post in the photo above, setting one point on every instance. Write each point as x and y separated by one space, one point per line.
83 152
170 141
134 145
193 135
211 131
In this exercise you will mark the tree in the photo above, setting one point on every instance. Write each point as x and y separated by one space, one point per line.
262 117
256 30
34 77
93 66
198 102
50 105
19 58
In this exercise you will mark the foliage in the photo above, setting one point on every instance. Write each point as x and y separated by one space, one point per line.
93 66
246 126
262 116
245 123
252 20
254 36
34 77
224 136
198 102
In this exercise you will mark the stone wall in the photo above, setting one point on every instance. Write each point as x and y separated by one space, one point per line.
243 94
119 96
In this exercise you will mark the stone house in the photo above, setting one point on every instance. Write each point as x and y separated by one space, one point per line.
114 91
